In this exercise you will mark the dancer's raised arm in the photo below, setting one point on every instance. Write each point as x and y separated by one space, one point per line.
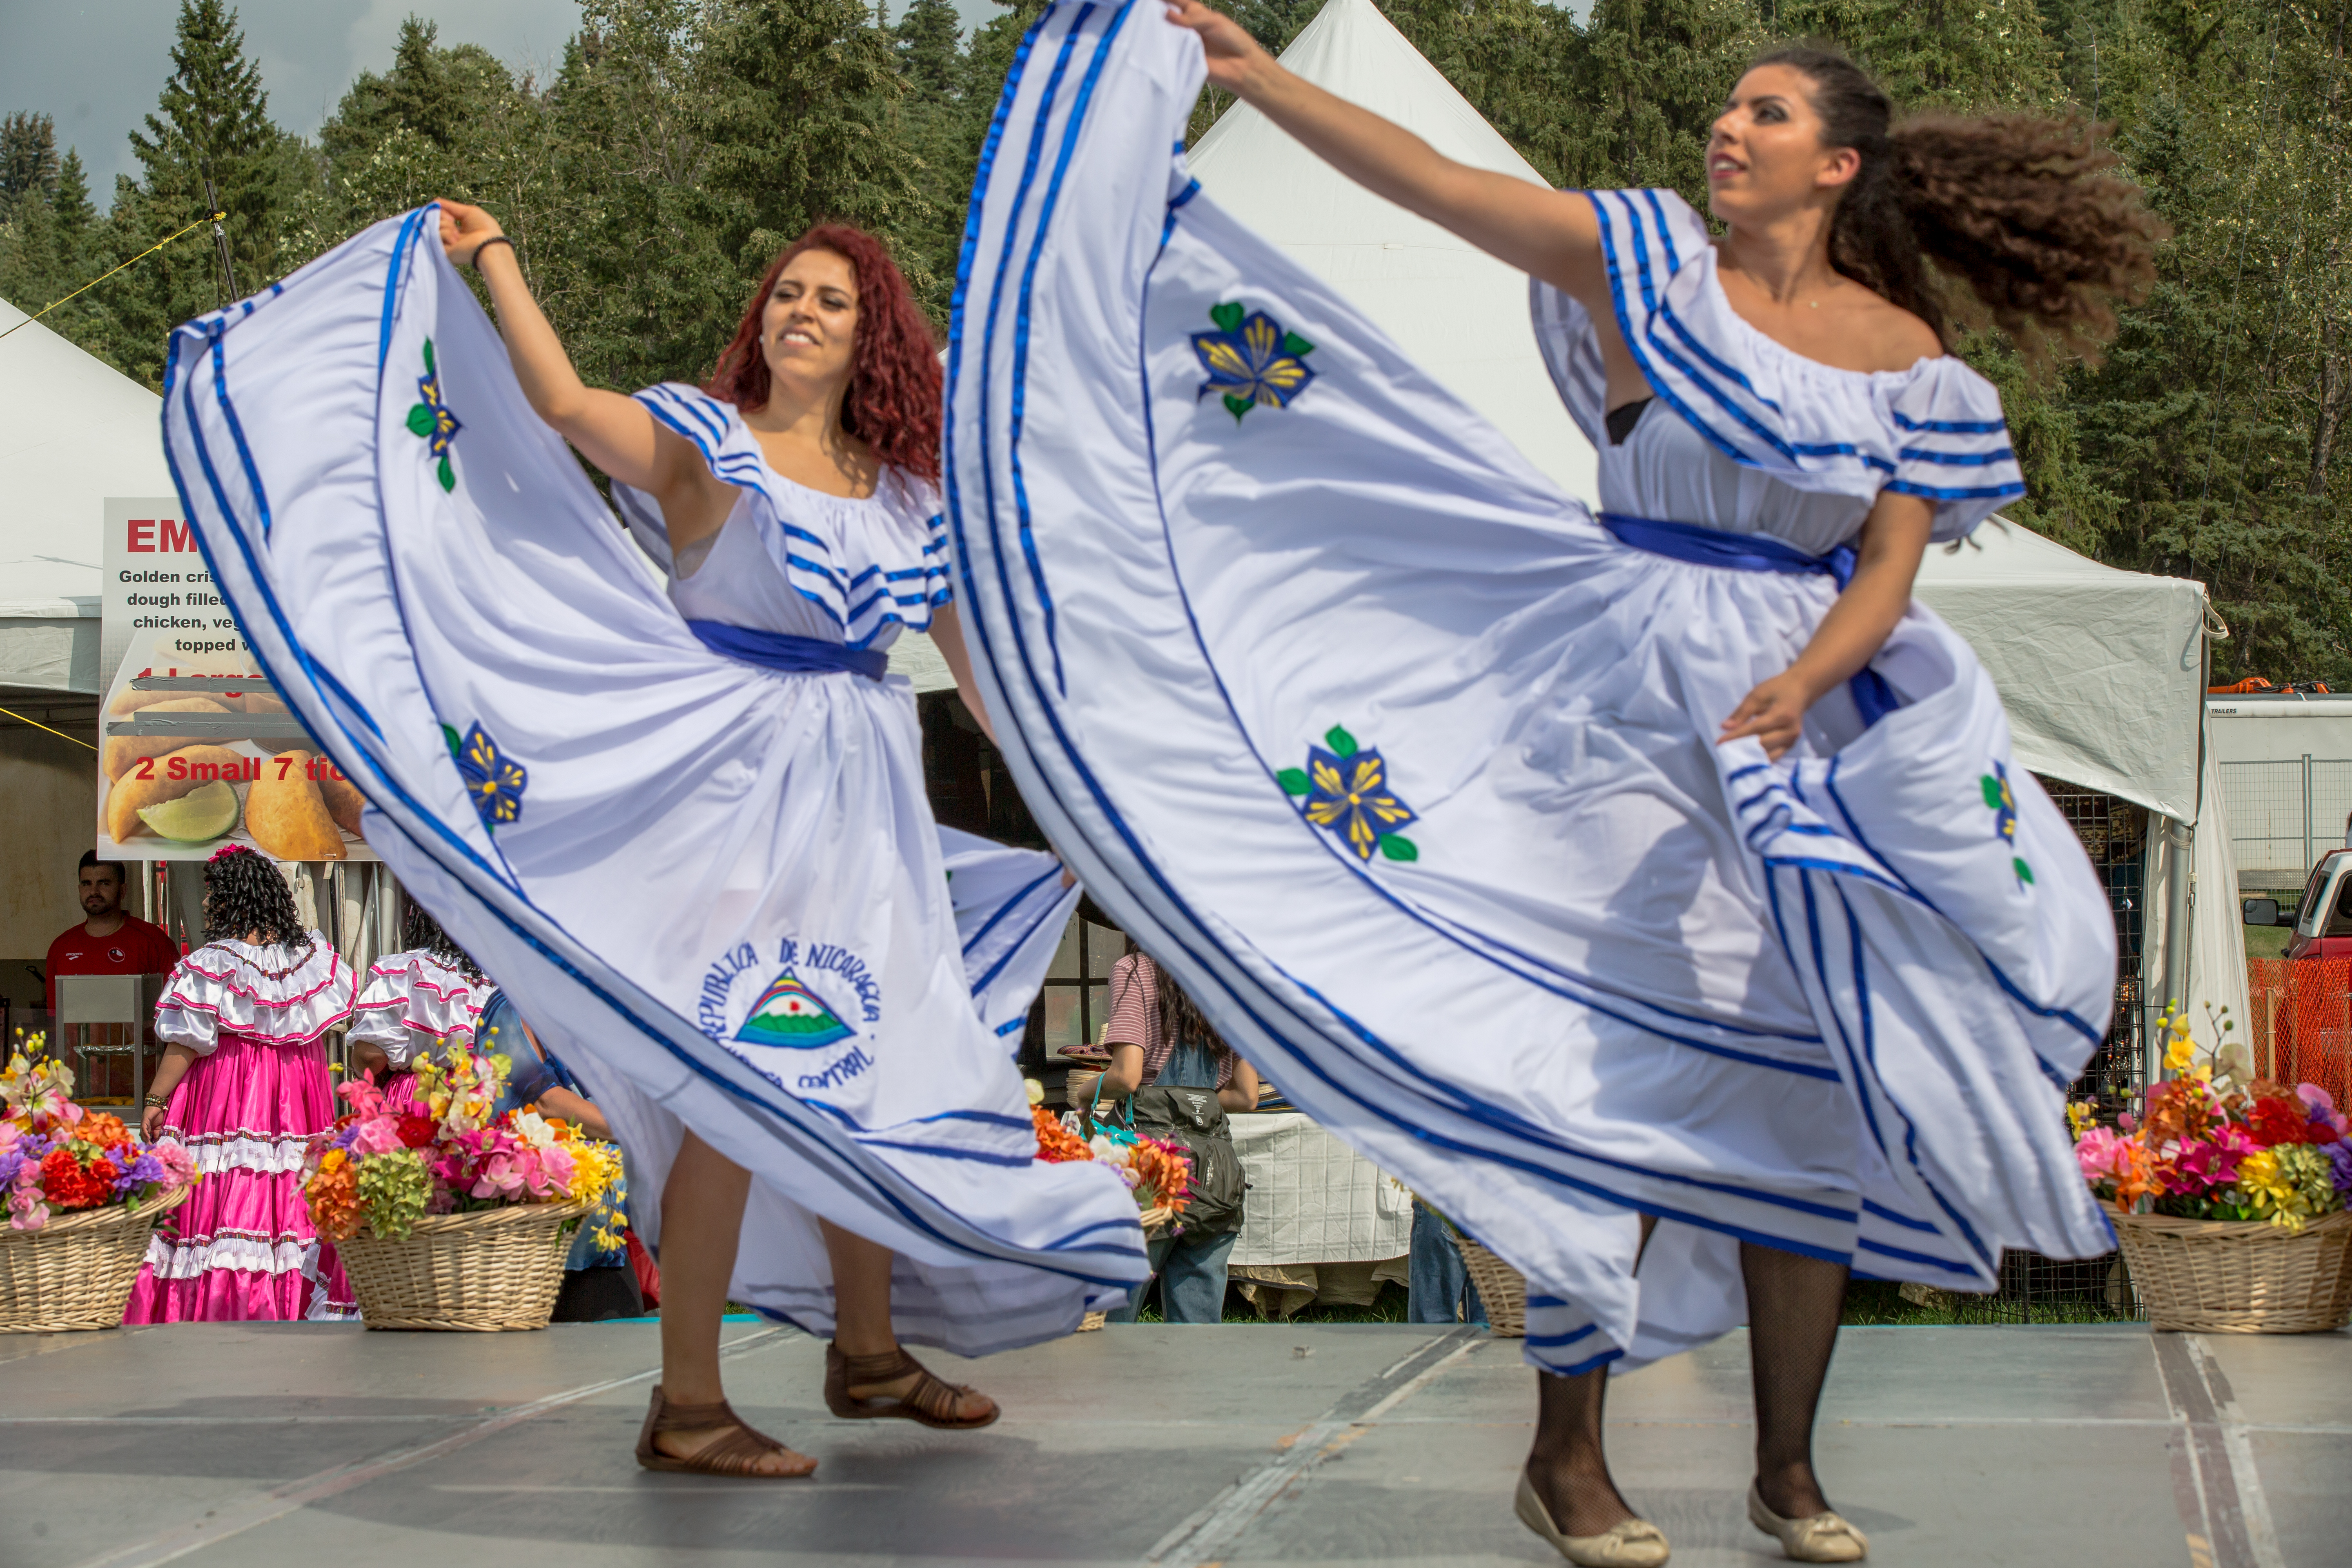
613 431
1549 233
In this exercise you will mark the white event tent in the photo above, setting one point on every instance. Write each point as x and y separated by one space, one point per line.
73 431
2103 671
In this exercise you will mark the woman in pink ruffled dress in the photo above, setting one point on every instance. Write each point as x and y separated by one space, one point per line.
244 1085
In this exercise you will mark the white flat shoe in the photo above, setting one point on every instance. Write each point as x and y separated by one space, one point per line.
1822 1538
1628 1543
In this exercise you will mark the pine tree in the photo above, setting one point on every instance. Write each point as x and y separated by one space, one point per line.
929 43
29 156
798 119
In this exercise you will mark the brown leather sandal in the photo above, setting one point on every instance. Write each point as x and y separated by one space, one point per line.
735 1454
929 1401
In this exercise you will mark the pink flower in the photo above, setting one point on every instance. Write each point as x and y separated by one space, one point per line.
361 1096
27 1208
376 1135
500 1177
179 1166
2201 1164
2104 1154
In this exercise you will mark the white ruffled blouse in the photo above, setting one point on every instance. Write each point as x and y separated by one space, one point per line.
1752 437
281 996
413 999
791 559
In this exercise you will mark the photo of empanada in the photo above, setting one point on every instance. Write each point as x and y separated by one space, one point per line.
121 750
345 801
264 702
286 816
198 765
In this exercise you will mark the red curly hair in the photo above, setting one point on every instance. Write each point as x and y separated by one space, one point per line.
893 401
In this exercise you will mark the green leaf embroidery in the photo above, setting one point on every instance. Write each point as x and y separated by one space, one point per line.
1292 780
1228 316
448 476
449 734
2024 871
1341 742
1397 847
1237 406
1992 791
1292 343
420 420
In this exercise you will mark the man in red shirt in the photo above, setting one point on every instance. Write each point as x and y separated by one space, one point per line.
108 942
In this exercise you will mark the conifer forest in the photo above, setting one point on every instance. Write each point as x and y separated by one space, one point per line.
678 144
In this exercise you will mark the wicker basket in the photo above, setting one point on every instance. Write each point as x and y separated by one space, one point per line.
76 1272
1502 1289
497 1268
2239 1276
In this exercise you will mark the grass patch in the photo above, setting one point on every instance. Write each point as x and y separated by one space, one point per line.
1873 1301
2268 941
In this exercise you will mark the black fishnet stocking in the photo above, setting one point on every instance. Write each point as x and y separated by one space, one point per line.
1793 1306
1568 1467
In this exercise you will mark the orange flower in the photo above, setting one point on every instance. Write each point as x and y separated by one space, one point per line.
107 1131
1055 1142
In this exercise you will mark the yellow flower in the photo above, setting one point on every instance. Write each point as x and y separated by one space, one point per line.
2272 1189
333 1162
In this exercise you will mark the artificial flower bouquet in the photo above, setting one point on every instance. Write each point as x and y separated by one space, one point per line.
2246 1229
385 1166
58 1156
1159 1173
2213 1147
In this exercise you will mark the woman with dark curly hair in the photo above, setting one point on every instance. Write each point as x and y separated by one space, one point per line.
430 992
244 1085
1651 888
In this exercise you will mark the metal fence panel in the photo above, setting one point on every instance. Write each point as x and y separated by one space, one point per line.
2285 814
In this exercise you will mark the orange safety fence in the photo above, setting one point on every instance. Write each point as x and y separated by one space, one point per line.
2302 1024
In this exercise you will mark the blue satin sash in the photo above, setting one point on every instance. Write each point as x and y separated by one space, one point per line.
1756 552
788 654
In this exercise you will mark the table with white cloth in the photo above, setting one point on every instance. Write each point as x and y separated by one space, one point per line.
1322 1223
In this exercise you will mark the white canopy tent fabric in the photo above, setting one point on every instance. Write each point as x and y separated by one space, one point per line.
1460 314
73 431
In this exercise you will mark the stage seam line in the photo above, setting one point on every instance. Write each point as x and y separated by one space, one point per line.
2254 1502
294 1496
2214 1482
1204 1537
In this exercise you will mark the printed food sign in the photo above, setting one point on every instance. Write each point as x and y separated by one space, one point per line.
197 750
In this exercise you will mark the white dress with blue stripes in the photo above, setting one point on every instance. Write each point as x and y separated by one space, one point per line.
1405 761
711 882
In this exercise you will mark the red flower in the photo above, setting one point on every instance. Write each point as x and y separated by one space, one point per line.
69 1186
2274 1121
417 1131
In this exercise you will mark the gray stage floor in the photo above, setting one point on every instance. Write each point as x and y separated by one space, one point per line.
290 1446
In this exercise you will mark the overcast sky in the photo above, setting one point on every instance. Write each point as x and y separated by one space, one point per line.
97 65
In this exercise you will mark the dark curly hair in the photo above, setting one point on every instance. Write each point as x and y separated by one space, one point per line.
2019 208
245 894
894 398
424 931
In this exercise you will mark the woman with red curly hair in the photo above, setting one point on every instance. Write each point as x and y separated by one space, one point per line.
780 885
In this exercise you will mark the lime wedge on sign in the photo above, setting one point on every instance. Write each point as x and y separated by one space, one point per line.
206 814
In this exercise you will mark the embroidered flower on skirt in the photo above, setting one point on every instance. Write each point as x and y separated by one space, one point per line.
432 420
494 780
2002 802
1347 791
1252 361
